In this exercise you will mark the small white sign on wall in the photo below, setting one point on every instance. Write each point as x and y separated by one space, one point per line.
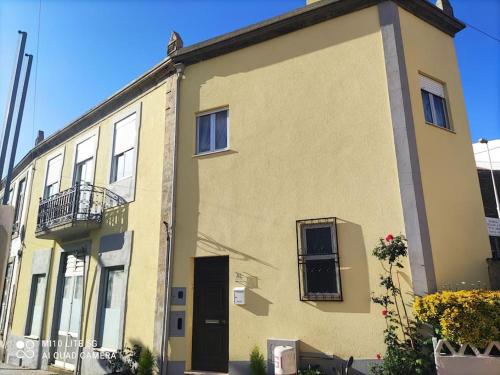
493 226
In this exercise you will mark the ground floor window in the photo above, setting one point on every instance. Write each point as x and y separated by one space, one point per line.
112 294
318 260
35 309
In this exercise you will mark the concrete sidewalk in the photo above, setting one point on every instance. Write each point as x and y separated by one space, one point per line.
6 369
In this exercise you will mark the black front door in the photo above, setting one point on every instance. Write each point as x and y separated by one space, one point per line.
211 313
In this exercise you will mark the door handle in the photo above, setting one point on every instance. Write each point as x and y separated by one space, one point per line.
215 321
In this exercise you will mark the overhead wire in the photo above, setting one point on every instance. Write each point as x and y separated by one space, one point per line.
483 32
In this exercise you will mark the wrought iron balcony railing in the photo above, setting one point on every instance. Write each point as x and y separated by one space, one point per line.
82 203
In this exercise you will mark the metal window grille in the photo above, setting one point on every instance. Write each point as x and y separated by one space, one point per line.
318 268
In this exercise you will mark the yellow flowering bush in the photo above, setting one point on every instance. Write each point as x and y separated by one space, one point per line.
463 317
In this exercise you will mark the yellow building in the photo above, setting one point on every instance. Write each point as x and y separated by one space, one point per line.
302 140
82 273
231 196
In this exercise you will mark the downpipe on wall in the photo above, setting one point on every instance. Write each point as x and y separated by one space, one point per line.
170 231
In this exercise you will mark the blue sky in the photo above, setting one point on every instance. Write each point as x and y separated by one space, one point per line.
89 49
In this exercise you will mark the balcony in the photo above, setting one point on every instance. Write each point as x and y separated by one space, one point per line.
74 212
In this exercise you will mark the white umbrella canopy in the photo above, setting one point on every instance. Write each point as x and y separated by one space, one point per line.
481 154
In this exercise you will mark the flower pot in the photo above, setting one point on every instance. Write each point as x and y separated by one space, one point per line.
456 362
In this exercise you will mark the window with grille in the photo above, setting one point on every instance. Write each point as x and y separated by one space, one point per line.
434 102
318 260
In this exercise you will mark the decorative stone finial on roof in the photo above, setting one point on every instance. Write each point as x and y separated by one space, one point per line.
174 43
445 6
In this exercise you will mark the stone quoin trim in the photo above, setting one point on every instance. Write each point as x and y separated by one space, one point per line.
410 182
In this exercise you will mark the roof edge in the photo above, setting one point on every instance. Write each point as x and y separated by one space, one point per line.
152 77
303 17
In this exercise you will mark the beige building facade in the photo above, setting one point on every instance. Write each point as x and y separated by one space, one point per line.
82 269
302 140
231 197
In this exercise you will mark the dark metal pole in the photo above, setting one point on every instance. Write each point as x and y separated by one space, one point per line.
12 100
19 120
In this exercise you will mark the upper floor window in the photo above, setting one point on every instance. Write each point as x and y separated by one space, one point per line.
21 187
84 161
433 98
319 270
123 148
211 132
53 176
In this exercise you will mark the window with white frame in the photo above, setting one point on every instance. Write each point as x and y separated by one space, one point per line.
319 270
124 148
112 294
211 132
84 161
434 102
35 308
21 187
53 176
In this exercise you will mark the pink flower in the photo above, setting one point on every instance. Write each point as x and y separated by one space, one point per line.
389 237
379 356
384 312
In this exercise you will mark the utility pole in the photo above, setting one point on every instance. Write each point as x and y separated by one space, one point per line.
19 120
9 114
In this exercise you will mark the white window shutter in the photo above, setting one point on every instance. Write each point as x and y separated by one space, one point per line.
54 170
125 134
431 86
74 265
85 149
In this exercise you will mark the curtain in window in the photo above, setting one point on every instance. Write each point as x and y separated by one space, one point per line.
220 130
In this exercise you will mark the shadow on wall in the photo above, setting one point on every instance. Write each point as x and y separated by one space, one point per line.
290 46
256 304
305 42
115 220
354 275
330 363
210 245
